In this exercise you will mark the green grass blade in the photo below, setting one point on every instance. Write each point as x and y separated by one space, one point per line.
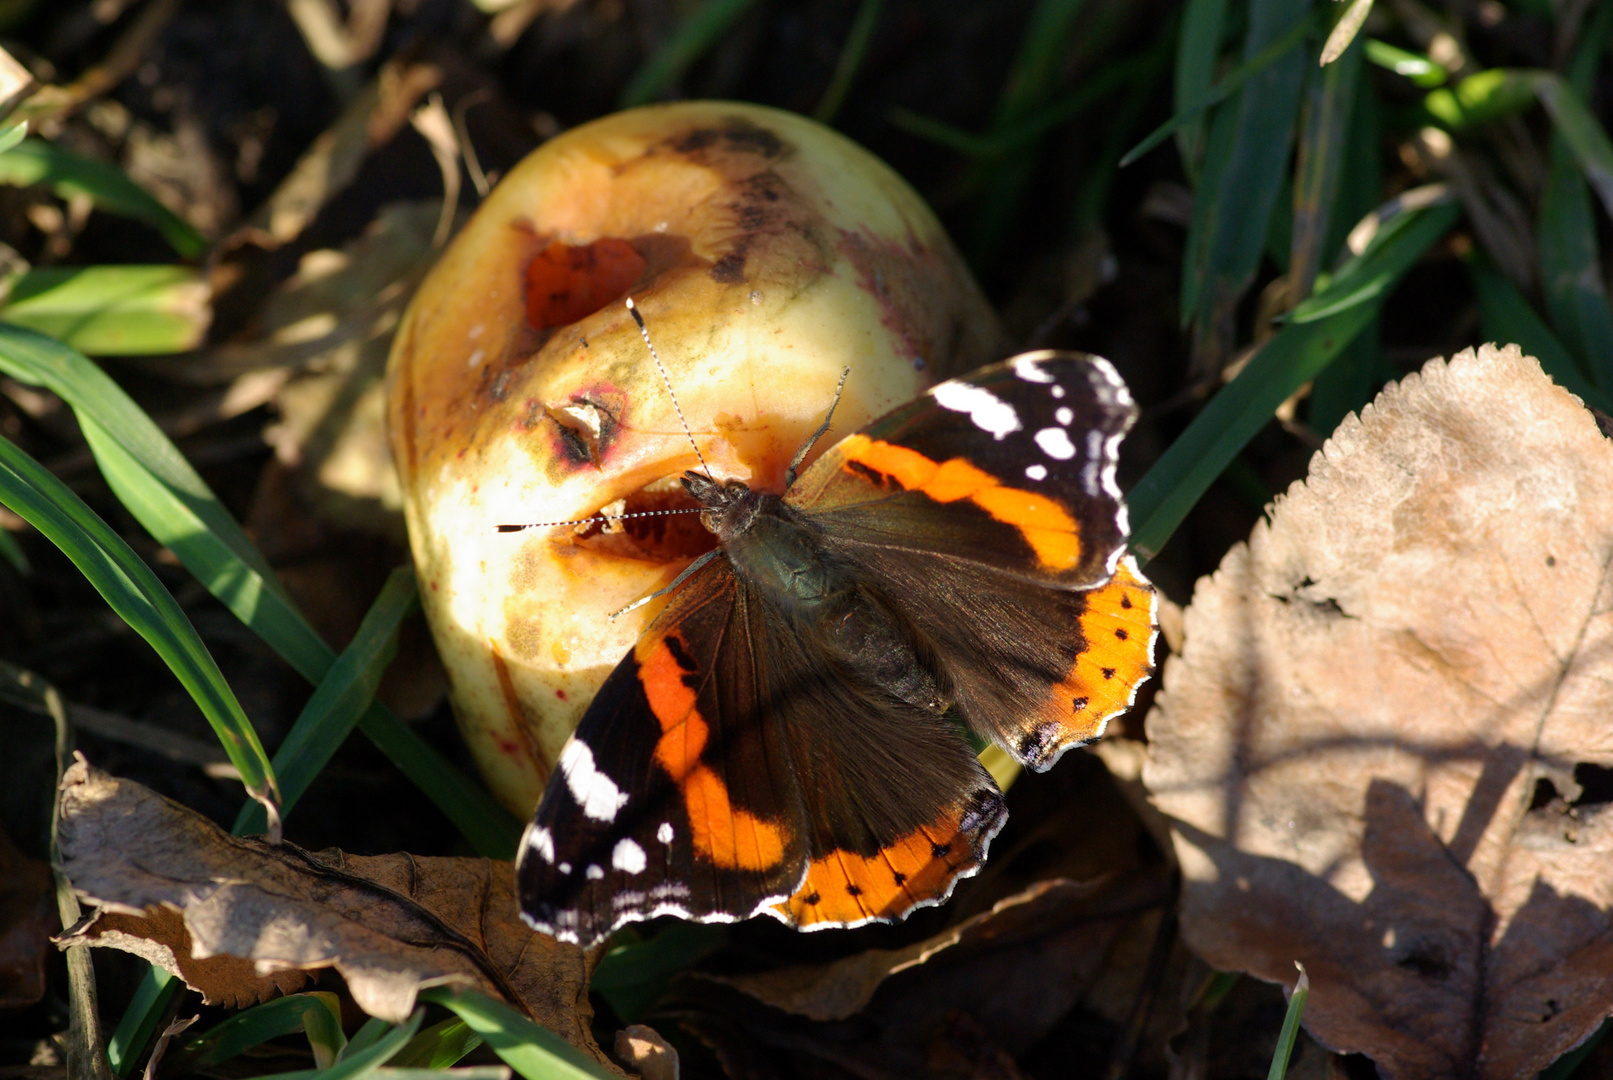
489 828
1348 383
1163 497
365 1062
531 1050
852 54
138 1024
1198 47
1482 98
341 698
1400 241
1238 189
35 161
12 552
1571 269
1505 317
1230 84
113 310
1035 70
169 499
438 1046
1578 128
11 136
1092 199
1290 1030
1021 134
252 1027
632 976
38 360
1418 68
256 598
371 1031
1324 134
693 38
179 520
1570 256
134 592
1292 358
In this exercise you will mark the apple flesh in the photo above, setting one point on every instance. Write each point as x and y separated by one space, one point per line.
767 254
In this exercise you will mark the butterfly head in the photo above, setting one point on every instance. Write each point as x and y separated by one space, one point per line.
727 507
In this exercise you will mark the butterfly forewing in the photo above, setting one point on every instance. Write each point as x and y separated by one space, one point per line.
1001 485
676 795
1011 467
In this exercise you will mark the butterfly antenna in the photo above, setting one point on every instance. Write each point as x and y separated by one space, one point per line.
644 332
806 447
596 517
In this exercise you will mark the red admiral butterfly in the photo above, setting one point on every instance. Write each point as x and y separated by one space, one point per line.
783 739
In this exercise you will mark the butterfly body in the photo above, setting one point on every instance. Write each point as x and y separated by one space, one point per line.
786 737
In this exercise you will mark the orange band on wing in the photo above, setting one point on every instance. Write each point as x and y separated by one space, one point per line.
683 729
843 887
1118 626
1047 527
730 837
726 835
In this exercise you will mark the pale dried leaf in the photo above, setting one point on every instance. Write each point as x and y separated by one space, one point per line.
1376 744
240 920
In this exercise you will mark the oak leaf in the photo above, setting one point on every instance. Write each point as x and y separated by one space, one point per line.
1386 747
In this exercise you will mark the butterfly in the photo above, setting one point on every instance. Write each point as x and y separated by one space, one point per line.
788 736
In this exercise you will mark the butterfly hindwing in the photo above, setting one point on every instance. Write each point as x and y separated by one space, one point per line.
726 770
897 806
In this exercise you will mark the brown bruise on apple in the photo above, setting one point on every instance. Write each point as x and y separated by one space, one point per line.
766 254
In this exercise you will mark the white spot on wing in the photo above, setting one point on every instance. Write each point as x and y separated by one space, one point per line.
627 856
595 792
1058 391
1055 443
1028 367
541 842
564 868
1064 416
1036 472
664 832
988 411
593 873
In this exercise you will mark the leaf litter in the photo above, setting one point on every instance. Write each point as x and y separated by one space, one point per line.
1385 748
240 920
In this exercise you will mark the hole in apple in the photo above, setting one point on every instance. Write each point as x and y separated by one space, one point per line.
663 537
566 283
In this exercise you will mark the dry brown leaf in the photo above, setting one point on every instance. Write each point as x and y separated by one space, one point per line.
840 989
970 998
1386 746
27 919
239 920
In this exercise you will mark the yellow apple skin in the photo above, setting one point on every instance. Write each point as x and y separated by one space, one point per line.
775 254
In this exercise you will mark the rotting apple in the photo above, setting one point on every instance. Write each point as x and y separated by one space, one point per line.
767 253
